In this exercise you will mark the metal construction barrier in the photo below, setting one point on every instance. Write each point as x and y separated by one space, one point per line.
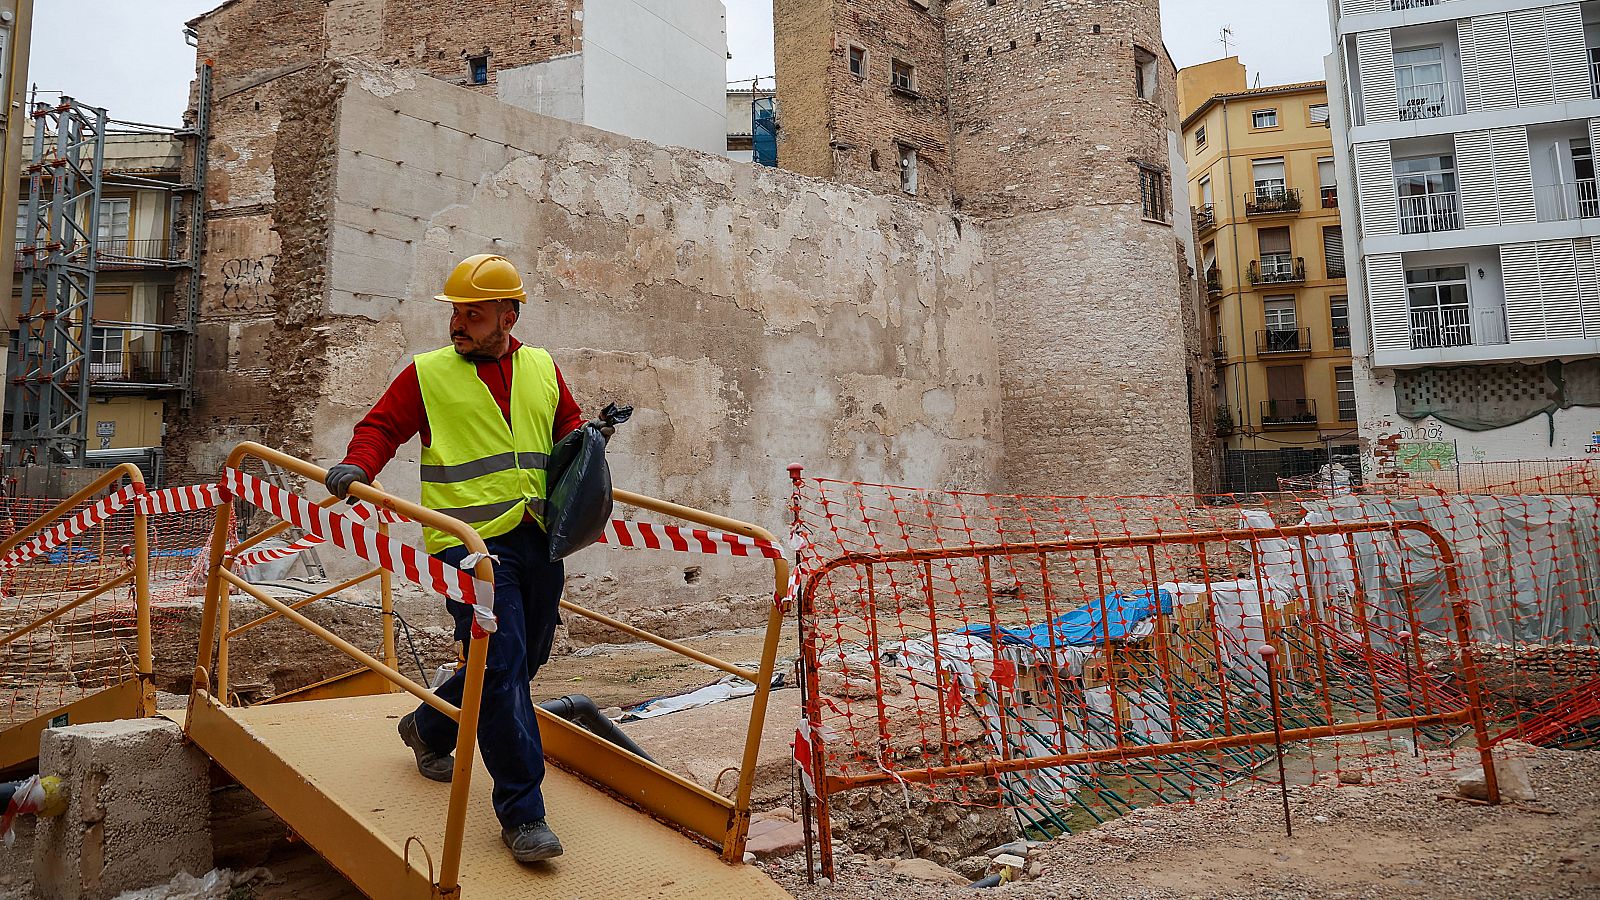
75 642
242 741
967 649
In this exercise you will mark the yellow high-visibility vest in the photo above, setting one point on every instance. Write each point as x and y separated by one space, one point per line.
478 469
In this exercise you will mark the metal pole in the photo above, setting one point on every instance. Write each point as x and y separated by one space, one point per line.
1268 654
1405 655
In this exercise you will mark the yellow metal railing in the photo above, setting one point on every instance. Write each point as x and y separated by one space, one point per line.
721 820
23 737
213 624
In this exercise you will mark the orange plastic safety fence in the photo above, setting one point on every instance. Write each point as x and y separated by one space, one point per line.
955 639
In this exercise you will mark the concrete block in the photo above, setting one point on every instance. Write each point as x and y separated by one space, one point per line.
138 813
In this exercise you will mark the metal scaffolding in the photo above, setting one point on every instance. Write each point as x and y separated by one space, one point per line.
48 390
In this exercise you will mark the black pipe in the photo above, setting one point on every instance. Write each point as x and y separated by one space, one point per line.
987 881
581 711
7 790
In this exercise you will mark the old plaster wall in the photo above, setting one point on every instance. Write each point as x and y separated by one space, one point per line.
754 317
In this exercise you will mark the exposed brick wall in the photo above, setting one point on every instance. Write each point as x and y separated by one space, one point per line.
863 120
438 36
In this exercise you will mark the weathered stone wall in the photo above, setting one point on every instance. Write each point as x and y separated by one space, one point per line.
866 121
753 316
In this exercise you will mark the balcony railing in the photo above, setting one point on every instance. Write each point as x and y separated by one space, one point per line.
1567 201
134 253
1220 351
1430 101
1283 340
1288 412
144 367
1594 74
1278 269
1214 282
1330 196
1341 337
1205 218
1398 5
1427 213
1272 202
1225 422
1445 326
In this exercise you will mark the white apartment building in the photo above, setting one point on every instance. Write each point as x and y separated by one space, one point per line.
1465 132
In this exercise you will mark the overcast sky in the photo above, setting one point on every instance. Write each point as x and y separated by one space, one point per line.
130 57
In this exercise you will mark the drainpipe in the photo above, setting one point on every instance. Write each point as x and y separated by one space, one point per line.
1241 379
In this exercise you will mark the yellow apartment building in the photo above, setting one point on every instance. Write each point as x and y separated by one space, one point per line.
1266 212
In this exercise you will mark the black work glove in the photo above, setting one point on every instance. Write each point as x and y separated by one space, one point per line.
343 475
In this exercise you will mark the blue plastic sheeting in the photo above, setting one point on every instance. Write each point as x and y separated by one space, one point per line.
1082 627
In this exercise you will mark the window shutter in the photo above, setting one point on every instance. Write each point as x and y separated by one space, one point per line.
1469 65
1583 256
1475 178
1387 308
1513 175
1558 287
1519 269
1333 247
1569 70
1380 212
1530 57
1375 59
1273 240
1491 42
1362 7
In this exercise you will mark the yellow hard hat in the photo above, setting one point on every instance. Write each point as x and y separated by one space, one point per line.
483 277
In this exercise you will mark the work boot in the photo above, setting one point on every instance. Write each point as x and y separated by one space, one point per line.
433 766
532 842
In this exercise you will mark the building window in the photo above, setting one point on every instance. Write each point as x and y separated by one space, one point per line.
1333 250
105 353
1144 73
1426 187
478 69
903 76
22 225
858 62
1280 316
1264 118
1199 137
1441 315
1205 193
1328 182
1344 385
1419 82
1153 193
113 225
1268 178
1317 113
908 169
1339 322
1277 257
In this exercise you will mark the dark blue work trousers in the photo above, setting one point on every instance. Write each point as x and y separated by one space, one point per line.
527 594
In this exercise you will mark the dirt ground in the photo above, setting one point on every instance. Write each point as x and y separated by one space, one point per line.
1380 841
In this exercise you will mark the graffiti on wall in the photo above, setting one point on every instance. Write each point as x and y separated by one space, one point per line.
247 282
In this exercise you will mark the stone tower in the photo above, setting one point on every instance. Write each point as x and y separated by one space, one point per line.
1060 124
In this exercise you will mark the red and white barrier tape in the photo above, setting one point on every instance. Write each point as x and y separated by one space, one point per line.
190 498
348 532
362 512
622 533
61 533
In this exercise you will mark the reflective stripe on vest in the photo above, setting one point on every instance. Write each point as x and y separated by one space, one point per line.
478 469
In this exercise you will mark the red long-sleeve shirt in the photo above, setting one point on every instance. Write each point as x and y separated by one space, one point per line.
400 415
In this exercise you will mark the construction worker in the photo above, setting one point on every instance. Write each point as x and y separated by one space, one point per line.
488 410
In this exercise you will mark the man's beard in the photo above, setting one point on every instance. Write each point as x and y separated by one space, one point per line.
486 350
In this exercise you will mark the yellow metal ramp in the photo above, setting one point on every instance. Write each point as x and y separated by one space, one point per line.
336 772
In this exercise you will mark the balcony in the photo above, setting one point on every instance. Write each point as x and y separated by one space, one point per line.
134 369
1399 5
134 254
1430 101
1205 218
1278 413
1278 268
1330 196
1272 202
1341 337
1225 423
1444 326
1566 202
1428 213
1213 282
1280 340
1220 351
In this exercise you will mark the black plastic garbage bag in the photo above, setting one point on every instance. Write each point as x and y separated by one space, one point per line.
578 482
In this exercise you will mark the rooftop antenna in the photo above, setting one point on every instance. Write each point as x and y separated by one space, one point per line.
1226 37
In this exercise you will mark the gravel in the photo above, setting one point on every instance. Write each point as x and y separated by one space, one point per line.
1350 841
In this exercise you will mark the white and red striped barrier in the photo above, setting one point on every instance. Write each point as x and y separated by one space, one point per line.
623 533
271 554
349 532
189 498
65 531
